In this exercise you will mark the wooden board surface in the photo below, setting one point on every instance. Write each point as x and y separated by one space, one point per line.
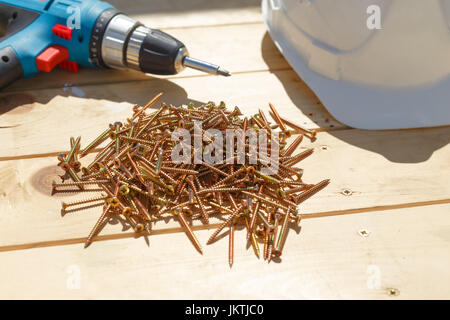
407 250
188 13
25 129
26 185
393 184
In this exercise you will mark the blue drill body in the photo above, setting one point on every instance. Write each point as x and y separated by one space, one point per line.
37 36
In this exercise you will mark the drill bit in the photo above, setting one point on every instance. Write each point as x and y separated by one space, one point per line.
205 66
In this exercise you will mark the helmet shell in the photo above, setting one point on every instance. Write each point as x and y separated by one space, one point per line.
388 78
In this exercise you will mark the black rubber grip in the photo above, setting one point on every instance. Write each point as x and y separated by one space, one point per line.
158 53
10 67
4 22
98 31
14 19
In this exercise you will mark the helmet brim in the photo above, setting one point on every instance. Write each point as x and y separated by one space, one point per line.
370 107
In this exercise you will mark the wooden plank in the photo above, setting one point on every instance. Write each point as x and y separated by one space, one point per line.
30 214
407 250
188 13
32 121
379 168
237 48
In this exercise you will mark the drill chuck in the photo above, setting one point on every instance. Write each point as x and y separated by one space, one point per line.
121 42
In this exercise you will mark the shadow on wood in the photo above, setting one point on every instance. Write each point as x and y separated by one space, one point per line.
401 146
161 7
139 93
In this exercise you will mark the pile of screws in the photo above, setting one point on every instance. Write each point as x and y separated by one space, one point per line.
141 182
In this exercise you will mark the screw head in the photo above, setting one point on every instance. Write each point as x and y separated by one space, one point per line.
276 253
124 190
65 166
76 165
281 193
140 148
139 228
170 189
259 232
393 292
237 111
126 211
114 202
346 192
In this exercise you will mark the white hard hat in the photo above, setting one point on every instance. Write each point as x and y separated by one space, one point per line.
374 64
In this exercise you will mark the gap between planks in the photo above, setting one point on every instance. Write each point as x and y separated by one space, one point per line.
319 130
153 78
125 235
56 153
228 24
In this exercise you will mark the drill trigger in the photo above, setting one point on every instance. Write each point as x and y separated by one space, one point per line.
69 65
62 31
51 57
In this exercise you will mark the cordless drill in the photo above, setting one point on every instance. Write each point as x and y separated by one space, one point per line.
38 35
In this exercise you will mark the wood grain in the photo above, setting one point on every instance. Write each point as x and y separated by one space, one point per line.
189 13
391 184
361 180
43 120
406 249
